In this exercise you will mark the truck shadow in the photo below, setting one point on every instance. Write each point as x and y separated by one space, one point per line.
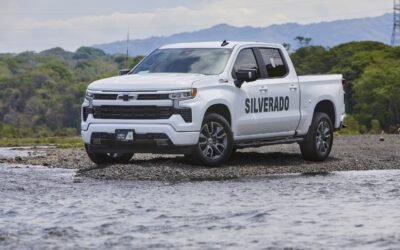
238 160
271 158
243 159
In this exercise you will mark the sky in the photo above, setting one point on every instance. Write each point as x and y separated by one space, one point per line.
37 25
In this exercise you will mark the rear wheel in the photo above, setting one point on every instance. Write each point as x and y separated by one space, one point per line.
318 143
112 158
215 141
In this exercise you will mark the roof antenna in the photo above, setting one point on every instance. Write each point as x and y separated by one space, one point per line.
224 43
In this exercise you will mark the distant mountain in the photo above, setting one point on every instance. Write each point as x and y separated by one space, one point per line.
327 34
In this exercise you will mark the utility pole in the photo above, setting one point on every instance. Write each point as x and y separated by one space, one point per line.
127 51
396 23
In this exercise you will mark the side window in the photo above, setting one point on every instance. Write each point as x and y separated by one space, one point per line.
245 60
274 63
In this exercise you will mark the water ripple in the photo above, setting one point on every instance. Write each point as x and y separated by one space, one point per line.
47 208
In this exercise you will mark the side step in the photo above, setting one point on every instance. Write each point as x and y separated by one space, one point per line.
266 142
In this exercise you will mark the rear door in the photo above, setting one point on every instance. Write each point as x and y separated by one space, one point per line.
281 114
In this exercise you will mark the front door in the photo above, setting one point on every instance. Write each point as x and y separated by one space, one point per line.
250 120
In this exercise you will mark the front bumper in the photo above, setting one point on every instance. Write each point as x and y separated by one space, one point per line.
152 138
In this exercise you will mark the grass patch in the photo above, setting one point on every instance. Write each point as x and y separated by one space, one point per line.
60 142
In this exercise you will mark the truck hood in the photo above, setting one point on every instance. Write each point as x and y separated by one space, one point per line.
146 82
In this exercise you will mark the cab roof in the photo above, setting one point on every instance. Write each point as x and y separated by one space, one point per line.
212 45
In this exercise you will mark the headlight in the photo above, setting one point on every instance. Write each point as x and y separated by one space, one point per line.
89 96
184 94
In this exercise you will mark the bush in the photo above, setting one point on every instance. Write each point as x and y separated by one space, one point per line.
375 127
352 126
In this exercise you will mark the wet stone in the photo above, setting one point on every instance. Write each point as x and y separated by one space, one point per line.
348 153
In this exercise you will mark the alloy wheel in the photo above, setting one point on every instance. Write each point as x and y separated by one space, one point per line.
323 137
213 140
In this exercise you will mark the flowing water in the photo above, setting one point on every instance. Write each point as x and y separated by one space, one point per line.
12 152
52 208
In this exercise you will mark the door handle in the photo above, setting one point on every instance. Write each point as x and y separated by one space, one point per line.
263 89
293 87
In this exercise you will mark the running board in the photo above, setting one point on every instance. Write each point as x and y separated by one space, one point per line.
266 142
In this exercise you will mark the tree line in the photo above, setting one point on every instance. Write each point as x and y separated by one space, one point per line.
372 71
41 93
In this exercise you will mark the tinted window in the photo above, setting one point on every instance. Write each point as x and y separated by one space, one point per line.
245 60
274 62
200 61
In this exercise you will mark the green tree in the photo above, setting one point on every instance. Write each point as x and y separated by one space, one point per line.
377 94
88 53
303 41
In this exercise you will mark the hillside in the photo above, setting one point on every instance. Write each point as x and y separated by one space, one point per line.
327 34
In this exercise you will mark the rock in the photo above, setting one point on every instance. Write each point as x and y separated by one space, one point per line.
78 180
349 153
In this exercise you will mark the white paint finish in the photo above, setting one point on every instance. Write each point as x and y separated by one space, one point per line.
177 138
146 82
317 88
305 92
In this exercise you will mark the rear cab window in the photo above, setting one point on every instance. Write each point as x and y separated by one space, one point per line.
275 65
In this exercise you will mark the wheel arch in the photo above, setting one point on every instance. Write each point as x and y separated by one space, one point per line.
327 107
220 109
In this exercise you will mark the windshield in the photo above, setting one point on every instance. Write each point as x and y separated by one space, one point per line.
199 61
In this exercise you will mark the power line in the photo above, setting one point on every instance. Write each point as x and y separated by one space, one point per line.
396 23
127 51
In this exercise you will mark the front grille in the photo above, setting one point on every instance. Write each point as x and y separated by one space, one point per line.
141 141
185 113
85 112
140 112
99 136
132 112
105 96
153 97
139 97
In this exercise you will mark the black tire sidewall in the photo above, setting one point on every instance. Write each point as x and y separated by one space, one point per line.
309 147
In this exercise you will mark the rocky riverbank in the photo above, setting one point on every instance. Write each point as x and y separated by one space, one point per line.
349 153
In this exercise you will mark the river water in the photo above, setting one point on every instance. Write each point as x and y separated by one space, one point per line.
52 208
12 152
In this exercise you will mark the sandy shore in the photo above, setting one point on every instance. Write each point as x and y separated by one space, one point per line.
349 153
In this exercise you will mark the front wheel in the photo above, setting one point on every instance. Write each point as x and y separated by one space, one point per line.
318 143
110 158
215 141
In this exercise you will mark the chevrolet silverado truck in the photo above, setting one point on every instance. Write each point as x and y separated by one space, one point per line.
206 100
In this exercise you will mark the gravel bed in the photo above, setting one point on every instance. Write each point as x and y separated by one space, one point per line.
365 152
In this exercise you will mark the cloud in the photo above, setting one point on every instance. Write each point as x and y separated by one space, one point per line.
38 31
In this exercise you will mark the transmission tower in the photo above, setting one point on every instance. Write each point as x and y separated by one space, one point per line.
396 23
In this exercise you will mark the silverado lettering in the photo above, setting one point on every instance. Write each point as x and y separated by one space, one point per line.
266 104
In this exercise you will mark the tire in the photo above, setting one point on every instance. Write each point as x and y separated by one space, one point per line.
319 140
215 141
110 158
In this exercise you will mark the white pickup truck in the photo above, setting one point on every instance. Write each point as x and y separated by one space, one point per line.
206 100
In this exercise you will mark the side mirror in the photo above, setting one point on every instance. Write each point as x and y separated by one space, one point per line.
123 71
245 75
